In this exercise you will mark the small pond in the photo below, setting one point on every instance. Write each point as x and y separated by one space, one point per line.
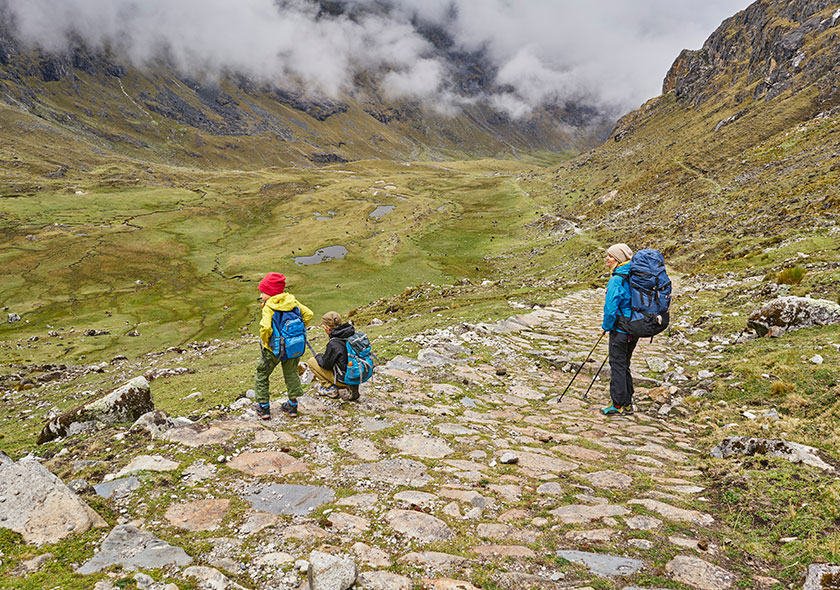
382 210
322 255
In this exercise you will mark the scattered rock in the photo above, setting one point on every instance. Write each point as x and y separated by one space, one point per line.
117 488
132 549
398 472
822 576
330 572
124 404
446 584
609 479
794 313
579 513
211 579
288 499
700 574
380 580
418 525
657 365
674 513
145 463
816 359
602 564
508 459
36 504
13 317
200 515
422 446
793 452
267 463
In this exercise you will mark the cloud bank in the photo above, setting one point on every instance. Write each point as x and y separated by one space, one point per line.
608 53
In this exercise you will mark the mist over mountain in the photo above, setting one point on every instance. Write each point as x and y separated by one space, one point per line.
608 55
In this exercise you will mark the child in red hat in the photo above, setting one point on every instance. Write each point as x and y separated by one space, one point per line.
282 338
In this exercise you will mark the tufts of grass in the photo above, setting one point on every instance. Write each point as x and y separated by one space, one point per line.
791 276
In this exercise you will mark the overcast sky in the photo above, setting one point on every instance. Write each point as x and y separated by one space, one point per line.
611 53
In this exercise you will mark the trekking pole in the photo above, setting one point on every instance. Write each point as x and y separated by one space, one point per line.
595 377
560 399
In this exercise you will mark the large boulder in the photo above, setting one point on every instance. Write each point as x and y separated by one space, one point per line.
793 313
124 404
132 549
331 572
793 452
36 504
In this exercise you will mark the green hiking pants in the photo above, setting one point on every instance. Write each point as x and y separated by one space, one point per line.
268 362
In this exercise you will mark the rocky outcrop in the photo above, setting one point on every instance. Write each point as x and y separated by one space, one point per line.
793 452
124 404
793 313
36 504
775 46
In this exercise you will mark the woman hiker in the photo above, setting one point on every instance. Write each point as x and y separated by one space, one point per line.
616 309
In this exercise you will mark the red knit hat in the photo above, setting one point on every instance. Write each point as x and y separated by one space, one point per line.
273 284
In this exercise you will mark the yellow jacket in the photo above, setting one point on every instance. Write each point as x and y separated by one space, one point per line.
281 302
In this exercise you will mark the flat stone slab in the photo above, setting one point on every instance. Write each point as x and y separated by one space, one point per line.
580 453
603 565
454 429
422 446
433 559
147 463
38 505
133 549
363 449
612 480
348 523
505 532
697 573
674 513
446 584
360 500
374 425
542 463
197 435
514 551
398 472
418 525
643 523
381 580
526 392
593 536
580 513
201 515
267 463
117 488
416 498
288 498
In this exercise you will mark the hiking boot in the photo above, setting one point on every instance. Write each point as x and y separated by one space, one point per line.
613 409
627 410
350 394
330 391
263 411
289 408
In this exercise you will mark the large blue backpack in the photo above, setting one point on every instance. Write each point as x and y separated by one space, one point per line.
359 360
288 334
650 295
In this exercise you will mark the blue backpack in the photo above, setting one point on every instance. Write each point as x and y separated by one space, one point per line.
288 334
650 295
359 360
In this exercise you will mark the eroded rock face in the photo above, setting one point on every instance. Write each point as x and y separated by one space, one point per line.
794 313
36 504
124 404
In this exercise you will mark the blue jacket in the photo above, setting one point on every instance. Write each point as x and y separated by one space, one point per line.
617 300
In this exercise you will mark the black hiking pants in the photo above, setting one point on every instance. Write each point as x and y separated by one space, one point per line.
621 382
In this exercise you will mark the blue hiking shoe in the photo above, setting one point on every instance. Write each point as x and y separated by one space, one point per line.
263 411
289 408
613 409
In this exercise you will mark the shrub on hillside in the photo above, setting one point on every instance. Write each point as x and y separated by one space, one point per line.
791 276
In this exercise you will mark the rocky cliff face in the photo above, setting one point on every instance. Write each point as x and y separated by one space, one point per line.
768 48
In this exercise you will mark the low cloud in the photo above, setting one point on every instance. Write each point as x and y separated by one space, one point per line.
608 53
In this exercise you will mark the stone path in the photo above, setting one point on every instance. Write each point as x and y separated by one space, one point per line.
452 472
